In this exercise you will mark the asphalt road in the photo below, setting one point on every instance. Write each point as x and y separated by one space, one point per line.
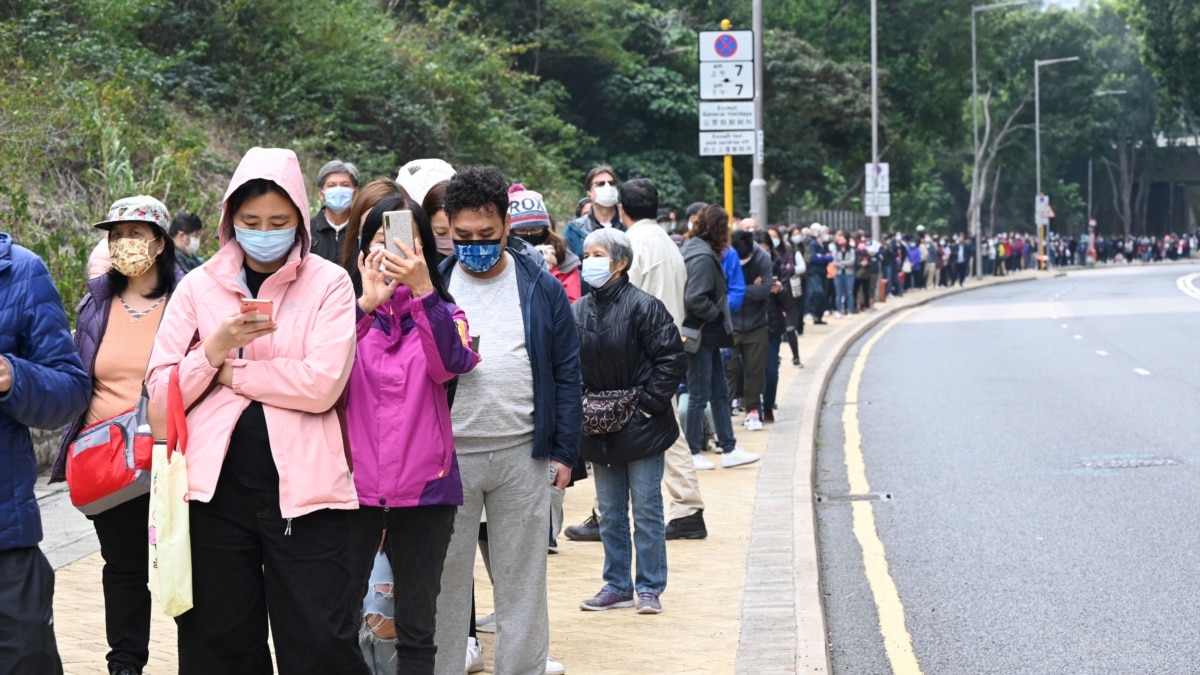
1039 443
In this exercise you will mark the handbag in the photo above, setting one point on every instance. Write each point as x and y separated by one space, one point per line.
691 339
906 266
608 411
168 529
108 463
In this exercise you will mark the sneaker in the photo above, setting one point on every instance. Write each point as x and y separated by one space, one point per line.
737 457
588 530
486 625
554 667
736 405
647 603
474 656
606 599
768 415
808 318
752 423
688 527
700 463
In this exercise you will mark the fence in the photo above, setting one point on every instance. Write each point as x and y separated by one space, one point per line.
834 220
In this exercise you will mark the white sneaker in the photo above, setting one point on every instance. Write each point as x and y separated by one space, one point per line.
553 667
702 464
487 624
738 457
808 318
752 423
474 656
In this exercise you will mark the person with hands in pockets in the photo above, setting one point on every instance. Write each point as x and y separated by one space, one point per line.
412 341
269 481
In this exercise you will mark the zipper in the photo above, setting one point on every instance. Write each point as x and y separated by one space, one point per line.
287 532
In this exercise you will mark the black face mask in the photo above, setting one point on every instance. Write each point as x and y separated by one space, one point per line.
535 239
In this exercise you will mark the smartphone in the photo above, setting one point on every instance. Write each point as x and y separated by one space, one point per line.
262 309
398 225
475 343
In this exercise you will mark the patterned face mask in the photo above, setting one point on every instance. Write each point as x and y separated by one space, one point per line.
131 257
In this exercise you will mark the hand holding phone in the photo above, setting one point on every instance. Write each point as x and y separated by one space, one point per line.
263 310
398 225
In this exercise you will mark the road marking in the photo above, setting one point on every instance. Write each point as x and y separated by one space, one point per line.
1063 326
1101 352
1187 284
1141 371
1077 337
897 641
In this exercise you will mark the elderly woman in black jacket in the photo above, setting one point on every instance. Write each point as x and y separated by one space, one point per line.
632 361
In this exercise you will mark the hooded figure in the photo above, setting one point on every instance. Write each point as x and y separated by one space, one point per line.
269 483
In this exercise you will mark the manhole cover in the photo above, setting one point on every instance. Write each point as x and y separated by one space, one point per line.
1128 463
867 497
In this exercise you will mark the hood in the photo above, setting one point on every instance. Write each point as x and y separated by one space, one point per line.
280 166
570 264
695 247
5 250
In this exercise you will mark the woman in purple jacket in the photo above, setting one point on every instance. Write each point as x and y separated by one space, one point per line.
412 342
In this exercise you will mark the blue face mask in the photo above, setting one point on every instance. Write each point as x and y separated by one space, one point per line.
595 271
337 199
478 256
265 247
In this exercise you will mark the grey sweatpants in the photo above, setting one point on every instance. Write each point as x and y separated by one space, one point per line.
514 488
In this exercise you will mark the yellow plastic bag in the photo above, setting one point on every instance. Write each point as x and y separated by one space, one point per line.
168 530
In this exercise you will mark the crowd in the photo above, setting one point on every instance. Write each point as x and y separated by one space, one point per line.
404 402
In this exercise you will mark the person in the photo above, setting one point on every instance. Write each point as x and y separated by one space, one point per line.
845 260
371 194
777 304
434 204
412 341
186 230
706 309
42 385
818 262
530 223
601 186
337 184
516 419
98 260
269 483
750 333
114 334
628 345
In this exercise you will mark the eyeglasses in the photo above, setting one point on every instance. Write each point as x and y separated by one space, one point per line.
602 183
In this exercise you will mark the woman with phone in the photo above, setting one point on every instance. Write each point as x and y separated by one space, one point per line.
269 486
114 335
632 361
412 341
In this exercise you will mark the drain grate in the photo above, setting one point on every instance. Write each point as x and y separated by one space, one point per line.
1128 463
866 497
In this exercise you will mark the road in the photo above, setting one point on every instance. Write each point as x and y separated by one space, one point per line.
1031 451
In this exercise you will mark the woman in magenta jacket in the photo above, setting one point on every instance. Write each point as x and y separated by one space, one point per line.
412 342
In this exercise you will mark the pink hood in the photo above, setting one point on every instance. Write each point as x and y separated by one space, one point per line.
279 166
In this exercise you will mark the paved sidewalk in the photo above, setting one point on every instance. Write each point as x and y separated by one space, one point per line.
744 600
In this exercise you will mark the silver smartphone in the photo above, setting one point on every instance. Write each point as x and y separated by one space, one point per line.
398 225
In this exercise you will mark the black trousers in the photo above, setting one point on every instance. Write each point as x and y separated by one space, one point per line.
250 564
27 645
123 544
417 538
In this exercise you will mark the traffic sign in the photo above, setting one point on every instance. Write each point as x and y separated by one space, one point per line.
726 115
733 80
877 204
714 143
726 45
877 179
1042 211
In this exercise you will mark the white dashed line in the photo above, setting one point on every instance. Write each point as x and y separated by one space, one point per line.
1101 352
1141 371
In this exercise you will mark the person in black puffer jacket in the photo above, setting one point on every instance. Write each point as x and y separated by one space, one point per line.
628 343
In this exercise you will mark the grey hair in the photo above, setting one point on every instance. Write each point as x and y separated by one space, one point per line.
337 166
615 241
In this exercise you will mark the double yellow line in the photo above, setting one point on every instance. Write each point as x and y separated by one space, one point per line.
896 639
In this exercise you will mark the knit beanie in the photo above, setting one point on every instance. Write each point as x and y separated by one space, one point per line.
419 175
526 208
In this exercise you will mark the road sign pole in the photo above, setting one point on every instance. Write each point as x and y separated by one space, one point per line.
729 187
876 235
758 186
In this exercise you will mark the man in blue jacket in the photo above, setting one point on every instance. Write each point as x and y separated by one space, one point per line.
517 419
42 384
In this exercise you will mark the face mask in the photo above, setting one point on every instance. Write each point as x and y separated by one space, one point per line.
478 256
193 246
536 239
606 195
826 238
265 247
378 248
775 242
691 225
595 271
444 244
796 239
337 199
131 257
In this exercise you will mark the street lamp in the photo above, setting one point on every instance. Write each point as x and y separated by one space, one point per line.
975 124
1092 230
1037 133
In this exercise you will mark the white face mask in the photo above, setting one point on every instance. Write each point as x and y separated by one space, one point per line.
606 196
193 245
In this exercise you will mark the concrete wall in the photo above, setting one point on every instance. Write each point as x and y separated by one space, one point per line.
45 445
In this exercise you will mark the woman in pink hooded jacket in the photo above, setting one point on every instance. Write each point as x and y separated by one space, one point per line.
268 474
412 342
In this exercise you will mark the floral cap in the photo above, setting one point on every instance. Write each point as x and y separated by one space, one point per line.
141 209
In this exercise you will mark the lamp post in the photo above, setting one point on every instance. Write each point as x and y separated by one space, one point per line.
1037 133
875 231
1092 230
975 126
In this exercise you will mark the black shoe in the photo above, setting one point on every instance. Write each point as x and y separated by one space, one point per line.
122 669
820 323
688 527
796 361
588 530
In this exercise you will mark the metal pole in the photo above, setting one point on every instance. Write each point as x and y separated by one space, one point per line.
758 185
1037 133
875 232
1091 230
729 187
976 179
